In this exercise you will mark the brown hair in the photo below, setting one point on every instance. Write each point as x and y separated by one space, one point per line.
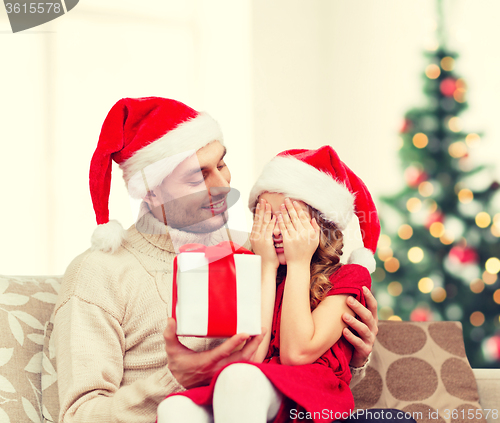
325 260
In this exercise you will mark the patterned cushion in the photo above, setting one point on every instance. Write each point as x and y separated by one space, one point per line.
421 368
26 304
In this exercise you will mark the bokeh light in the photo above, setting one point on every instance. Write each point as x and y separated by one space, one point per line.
447 239
492 265
395 288
455 124
447 63
438 294
495 228
457 149
483 219
459 95
426 189
432 71
395 318
477 318
496 296
465 196
420 140
489 278
391 265
437 229
405 231
472 140
425 285
414 205
415 254
477 286
384 241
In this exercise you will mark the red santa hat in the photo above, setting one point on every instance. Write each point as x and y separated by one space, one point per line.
320 179
148 137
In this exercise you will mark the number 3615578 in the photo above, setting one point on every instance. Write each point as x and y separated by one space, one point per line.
26 8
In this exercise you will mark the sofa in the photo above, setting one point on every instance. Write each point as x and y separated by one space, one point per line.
420 368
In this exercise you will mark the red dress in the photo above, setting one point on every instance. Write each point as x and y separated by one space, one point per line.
321 388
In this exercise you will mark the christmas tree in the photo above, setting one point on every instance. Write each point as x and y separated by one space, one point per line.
438 256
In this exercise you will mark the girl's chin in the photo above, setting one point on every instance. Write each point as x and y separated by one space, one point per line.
282 259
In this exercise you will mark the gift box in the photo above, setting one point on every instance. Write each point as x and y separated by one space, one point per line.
216 291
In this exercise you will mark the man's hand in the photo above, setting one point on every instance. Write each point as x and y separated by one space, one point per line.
192 369
365 325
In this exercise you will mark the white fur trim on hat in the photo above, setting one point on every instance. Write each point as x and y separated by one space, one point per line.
187 137
107 237
364 257
296 179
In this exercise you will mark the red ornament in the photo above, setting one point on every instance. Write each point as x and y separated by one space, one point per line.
448 86
421 314
463 255
407 125
437 216
491 348
414 176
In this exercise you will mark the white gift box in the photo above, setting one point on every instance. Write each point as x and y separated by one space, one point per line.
217 297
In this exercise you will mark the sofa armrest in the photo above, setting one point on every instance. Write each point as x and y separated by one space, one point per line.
488 388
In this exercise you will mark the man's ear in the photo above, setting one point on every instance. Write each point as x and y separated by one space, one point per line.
155 206
150 199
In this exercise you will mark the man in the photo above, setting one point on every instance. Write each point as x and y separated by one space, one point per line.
111 314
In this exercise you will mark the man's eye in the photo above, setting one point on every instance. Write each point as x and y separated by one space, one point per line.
194 183
222 166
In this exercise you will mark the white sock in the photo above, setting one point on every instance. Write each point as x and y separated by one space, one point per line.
244 394
180 409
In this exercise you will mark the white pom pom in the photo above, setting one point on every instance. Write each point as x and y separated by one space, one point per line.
107 237
363 257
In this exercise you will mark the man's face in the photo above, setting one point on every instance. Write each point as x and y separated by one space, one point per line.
194 194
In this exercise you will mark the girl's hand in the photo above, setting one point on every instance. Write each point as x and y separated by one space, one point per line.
300 233
261 237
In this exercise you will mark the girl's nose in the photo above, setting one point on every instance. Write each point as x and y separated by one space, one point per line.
276 229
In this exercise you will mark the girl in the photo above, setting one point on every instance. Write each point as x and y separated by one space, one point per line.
302 201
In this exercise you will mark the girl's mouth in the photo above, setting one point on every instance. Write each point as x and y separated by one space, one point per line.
279 247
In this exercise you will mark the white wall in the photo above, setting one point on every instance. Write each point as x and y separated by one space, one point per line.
276 75
58 82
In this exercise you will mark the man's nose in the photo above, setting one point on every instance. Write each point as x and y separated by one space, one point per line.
219 191
218 185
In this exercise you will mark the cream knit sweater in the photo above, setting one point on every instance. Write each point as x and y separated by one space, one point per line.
109 322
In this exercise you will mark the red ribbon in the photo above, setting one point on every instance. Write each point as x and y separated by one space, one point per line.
222 302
